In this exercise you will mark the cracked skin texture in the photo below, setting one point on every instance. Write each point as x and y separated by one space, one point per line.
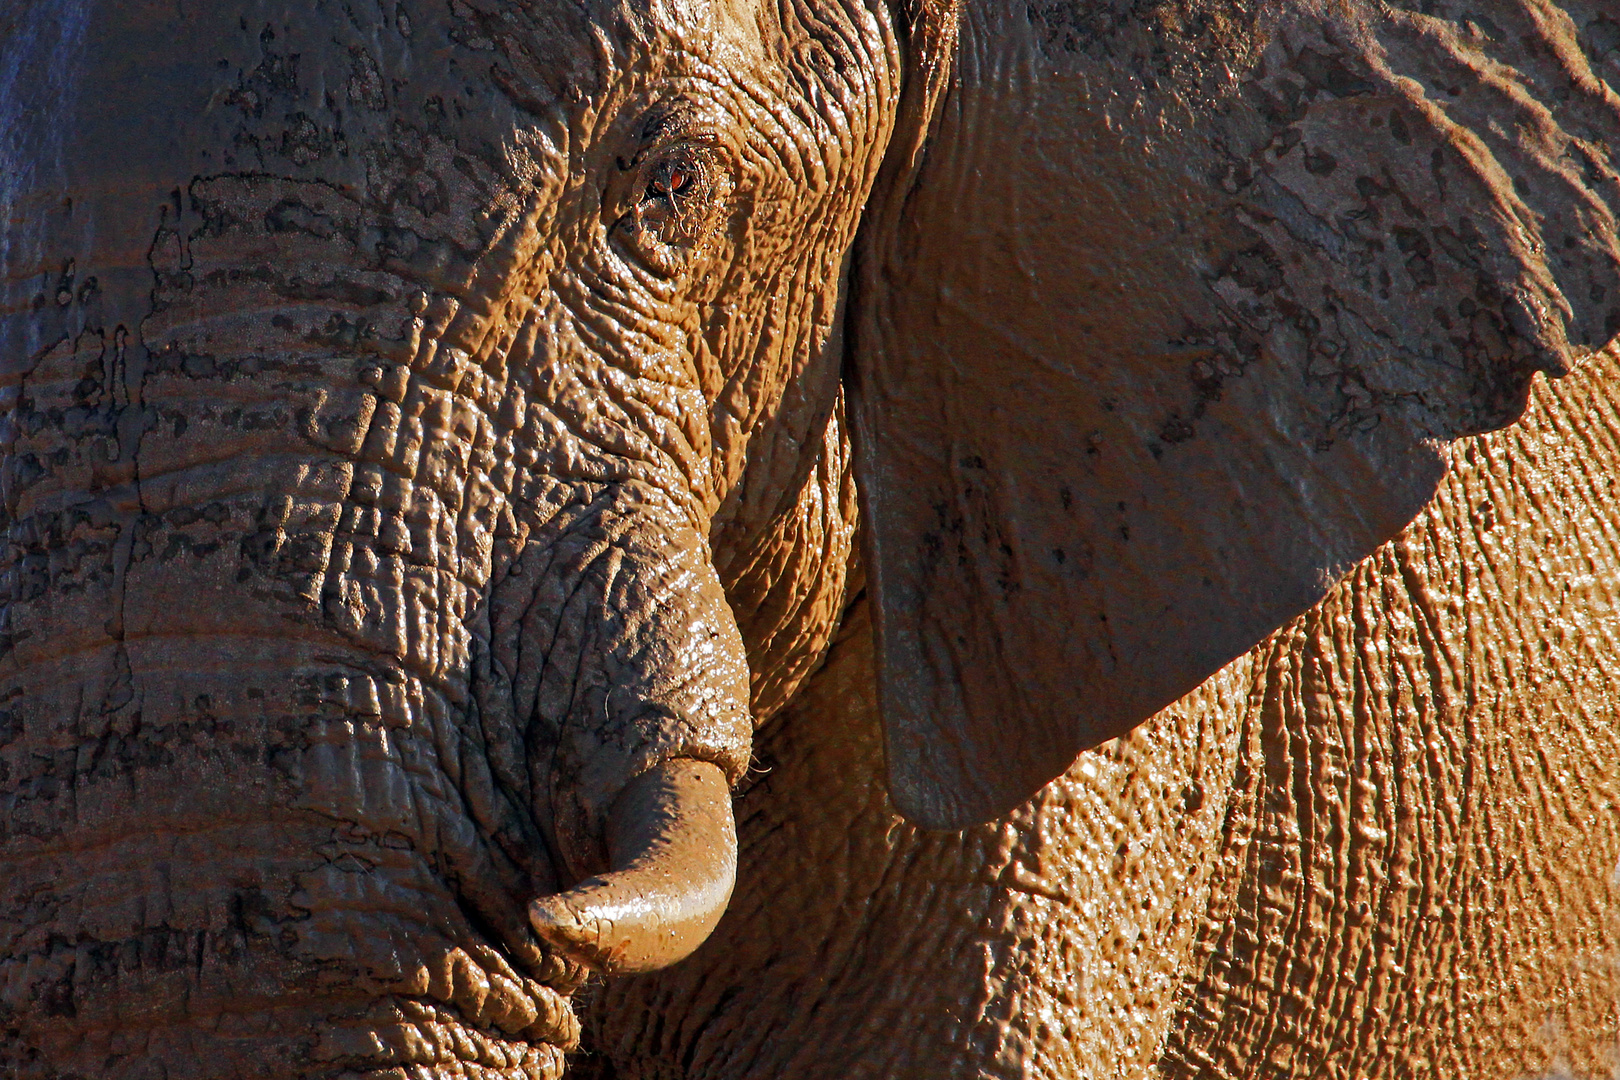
391 472
1383 843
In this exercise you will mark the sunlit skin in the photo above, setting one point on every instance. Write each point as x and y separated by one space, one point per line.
451 449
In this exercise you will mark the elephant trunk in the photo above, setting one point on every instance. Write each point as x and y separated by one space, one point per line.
330 639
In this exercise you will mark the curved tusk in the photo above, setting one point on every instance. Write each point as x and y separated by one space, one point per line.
673 847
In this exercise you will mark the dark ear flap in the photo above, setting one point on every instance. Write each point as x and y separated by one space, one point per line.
1168 324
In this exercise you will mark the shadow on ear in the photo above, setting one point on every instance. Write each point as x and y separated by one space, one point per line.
1162 327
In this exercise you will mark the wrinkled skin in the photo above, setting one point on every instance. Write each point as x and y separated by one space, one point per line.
433 433
1384 843
375 477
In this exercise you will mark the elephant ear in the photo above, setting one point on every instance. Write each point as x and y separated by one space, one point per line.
1166 322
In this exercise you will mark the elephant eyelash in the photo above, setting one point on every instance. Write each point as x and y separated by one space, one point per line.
673 181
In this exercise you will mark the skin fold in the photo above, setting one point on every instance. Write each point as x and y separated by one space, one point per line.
435 435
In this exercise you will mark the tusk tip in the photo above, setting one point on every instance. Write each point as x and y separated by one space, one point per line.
575 934
674 852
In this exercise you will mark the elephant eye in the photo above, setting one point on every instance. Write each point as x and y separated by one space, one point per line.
673 194
676 205
675 179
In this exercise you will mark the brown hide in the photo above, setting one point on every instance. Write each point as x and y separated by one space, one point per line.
1168 327
1381 845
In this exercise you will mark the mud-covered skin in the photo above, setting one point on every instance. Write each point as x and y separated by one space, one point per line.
375 377
1420 870
423 418
1381 844
1168 329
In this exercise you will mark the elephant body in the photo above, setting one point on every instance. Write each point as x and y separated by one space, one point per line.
1383 843
432 438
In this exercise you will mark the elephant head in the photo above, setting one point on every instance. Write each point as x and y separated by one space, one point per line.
426 451
392 396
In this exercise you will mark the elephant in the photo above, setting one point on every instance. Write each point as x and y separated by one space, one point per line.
439 433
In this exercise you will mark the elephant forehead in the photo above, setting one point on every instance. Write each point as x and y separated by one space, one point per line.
457 154
723 32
